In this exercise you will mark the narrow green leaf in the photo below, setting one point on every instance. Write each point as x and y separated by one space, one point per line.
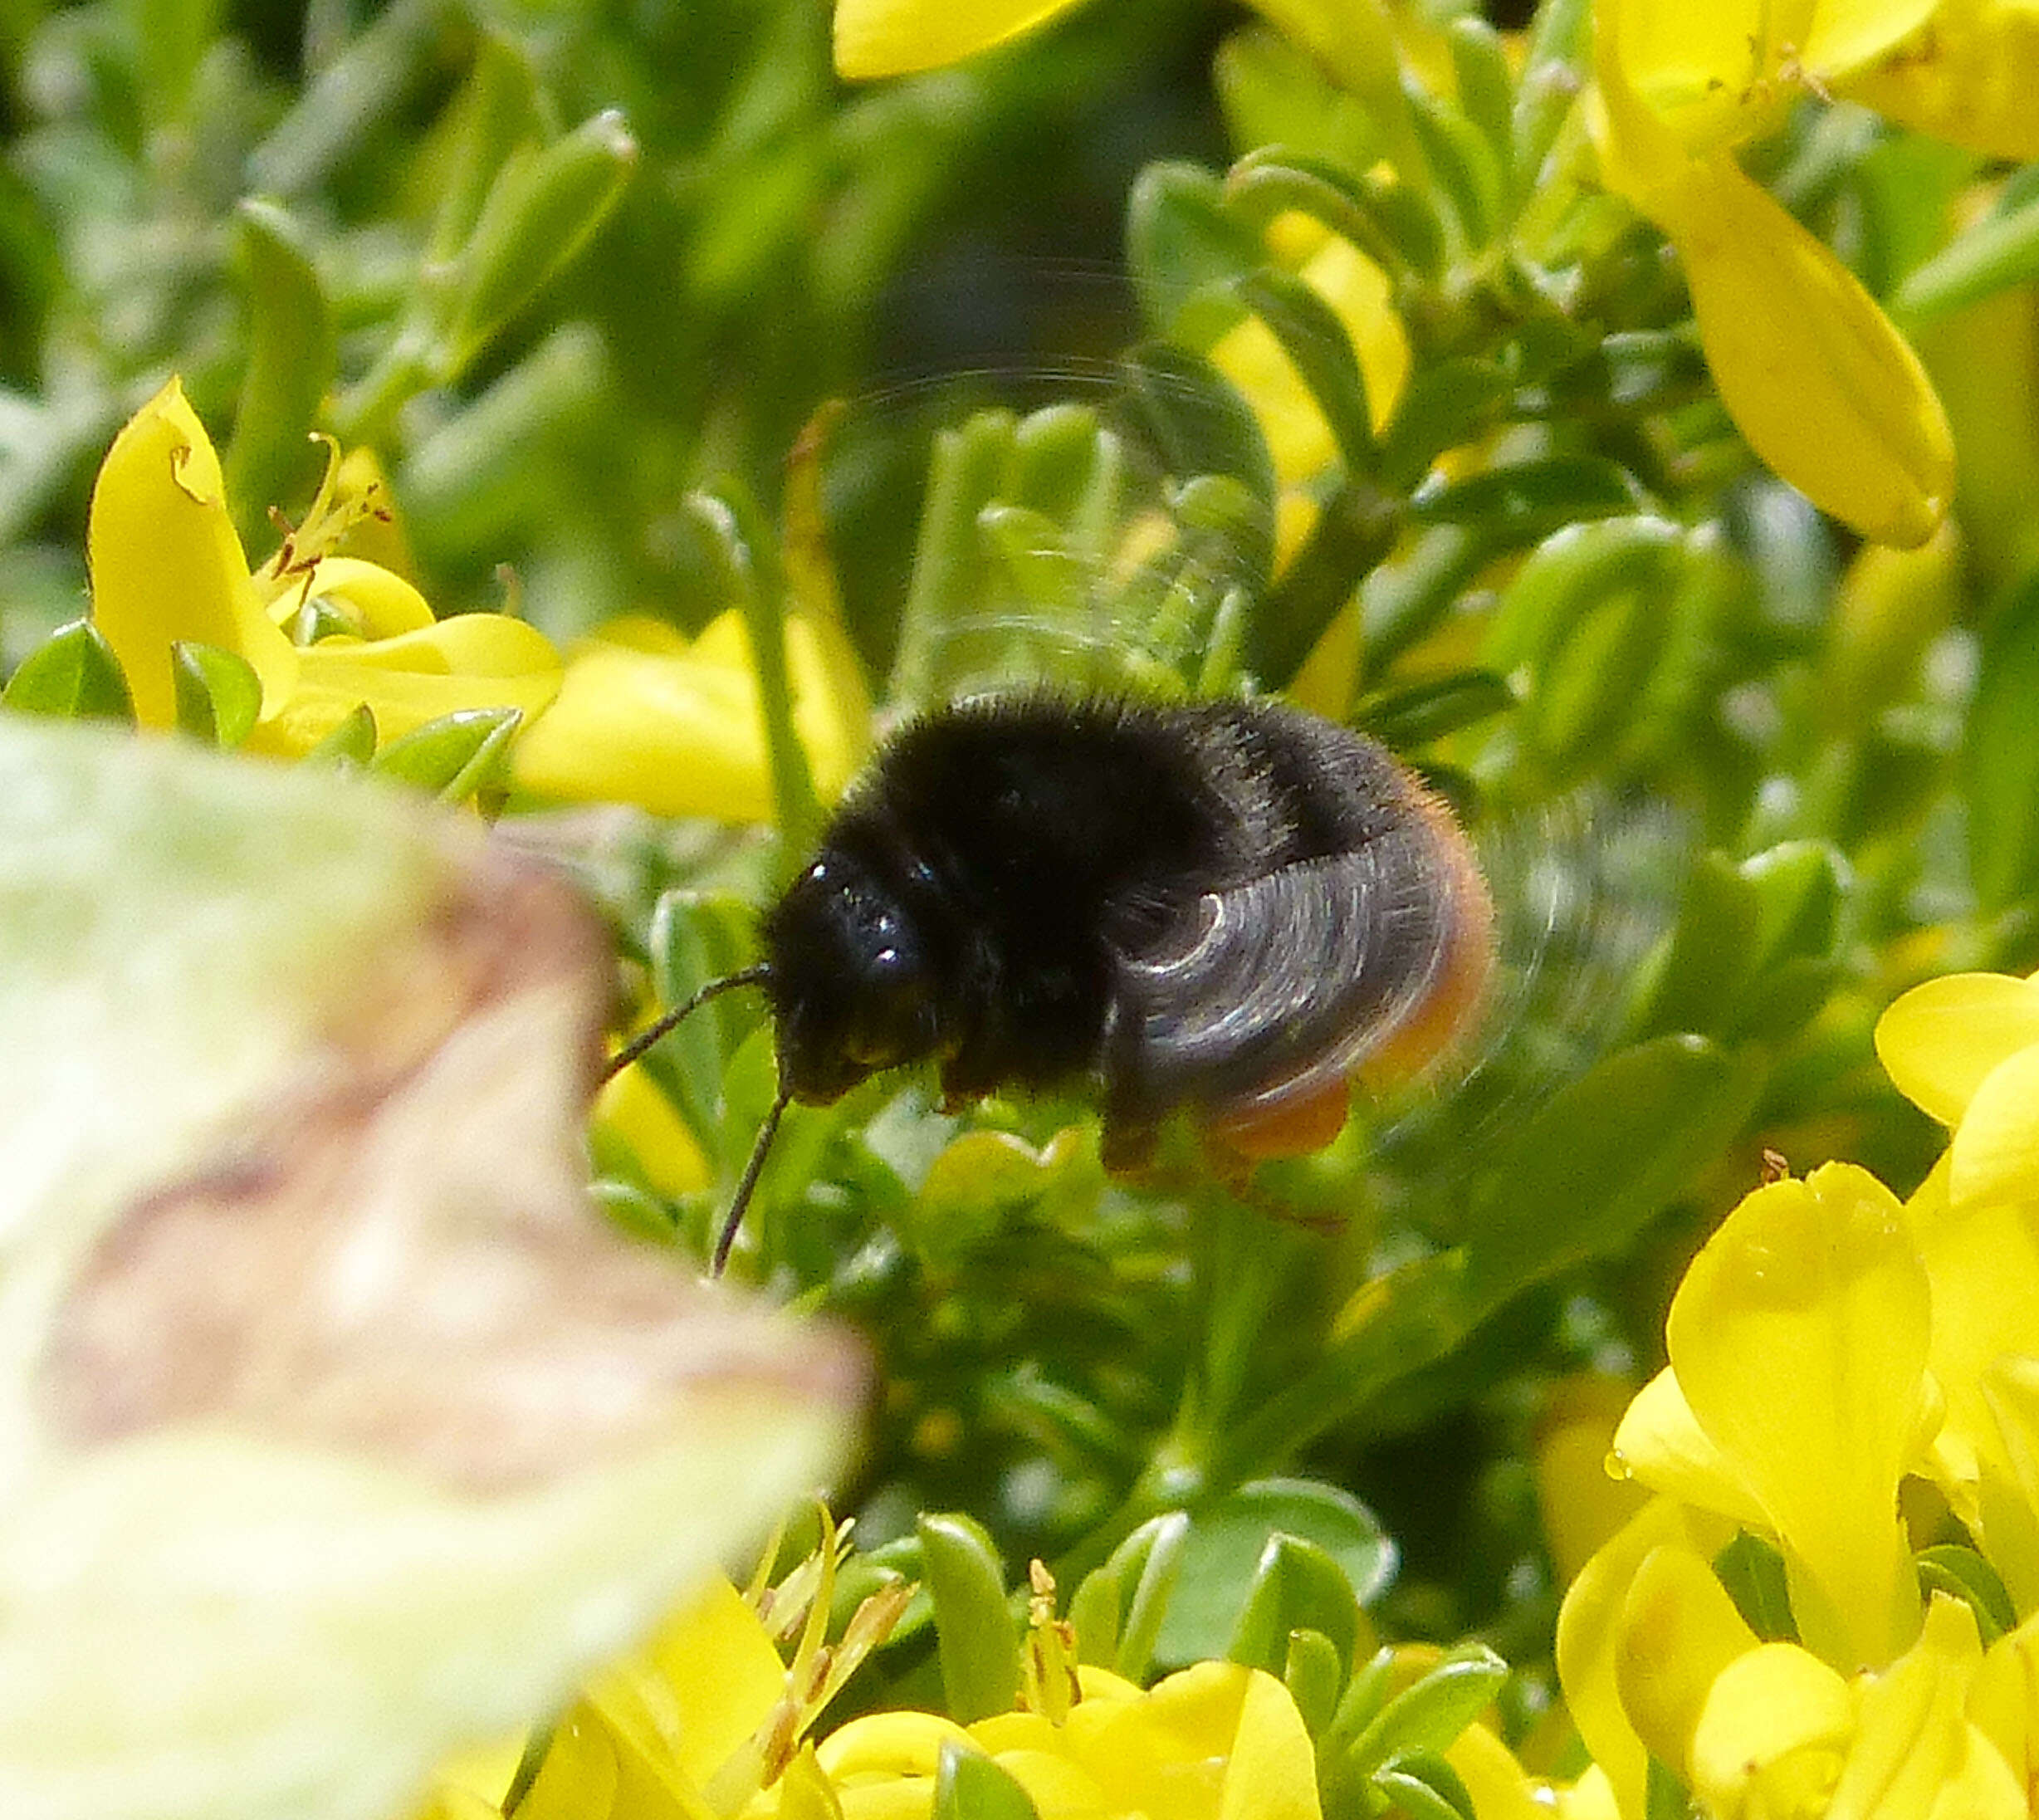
72 675
542 210
219 697
352 741
1426 1788
1525 502
1355 528
1963 1573
1276 181
969 1786
1486 90
2000 761
1314 1671
452 756
1999 250
1446 403
1296 1586
979 1643
1322 352
1468 173
1553 77
1185 250
1408 718
1152 1555
291 356
1752 1572
1426 1718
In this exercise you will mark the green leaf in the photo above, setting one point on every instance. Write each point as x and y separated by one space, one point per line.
72 675
1426 1718
1602 1157
1152 1555
1426 1788
291 359
1525 501
1275 181
1184 250
1960 1571
1322 352
1466 165
1999 250
1486 88
1752 1572
1314 1672
1404 718
454 755
691 939
219 697
2000 760
979 1643
1445 403
351 743
542 210
1699 977
1296 1586
1554 75
969 1786
1222 1561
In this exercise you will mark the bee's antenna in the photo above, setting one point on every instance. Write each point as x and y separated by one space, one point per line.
646 1039
751 1171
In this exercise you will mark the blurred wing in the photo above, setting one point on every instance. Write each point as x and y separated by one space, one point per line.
1293 981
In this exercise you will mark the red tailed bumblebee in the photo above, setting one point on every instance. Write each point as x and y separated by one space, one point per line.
1222 907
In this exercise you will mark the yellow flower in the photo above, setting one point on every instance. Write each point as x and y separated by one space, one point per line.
640 714
1965 1048
1218 1740
646 715
1798 1344
167 566
1655 1657
1824 389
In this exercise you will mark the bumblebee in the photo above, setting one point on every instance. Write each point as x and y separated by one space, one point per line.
1226 909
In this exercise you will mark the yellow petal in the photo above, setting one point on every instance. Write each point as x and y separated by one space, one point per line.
2003 1700
888 1744
1915 1747
893 37
1581 1503
1982 1263
1825 391
632 1106
167 564
1967 77
1678 1631
1799 1337
1995 1154
1659 1443
681 735
381 603
1497 1782
1589 1635
704 1683
2007 1493
1940 1040
1773 1733
473 660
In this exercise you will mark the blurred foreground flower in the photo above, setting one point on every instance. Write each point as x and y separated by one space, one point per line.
639 714
339 1429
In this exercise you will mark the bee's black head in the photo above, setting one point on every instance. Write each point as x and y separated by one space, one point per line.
848 979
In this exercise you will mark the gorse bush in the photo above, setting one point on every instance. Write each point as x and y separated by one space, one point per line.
617 423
